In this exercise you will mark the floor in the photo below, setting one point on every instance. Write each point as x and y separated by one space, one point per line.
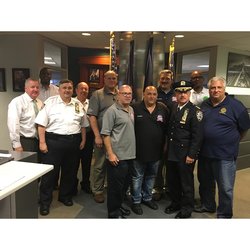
85 207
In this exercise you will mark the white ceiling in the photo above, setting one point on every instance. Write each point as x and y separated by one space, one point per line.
192 40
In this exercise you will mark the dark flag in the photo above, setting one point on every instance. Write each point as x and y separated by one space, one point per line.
148 81
171 57
113 65
130 69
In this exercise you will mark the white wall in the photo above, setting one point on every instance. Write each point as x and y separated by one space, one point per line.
17 51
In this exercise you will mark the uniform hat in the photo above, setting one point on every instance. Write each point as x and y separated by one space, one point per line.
182 86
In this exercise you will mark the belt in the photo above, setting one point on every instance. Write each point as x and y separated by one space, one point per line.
28 138
57 136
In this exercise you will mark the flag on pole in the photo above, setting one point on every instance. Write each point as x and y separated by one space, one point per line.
148 81
171 56
113 65
130 69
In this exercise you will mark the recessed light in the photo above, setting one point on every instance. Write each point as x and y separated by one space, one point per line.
179 36
86 34
47 58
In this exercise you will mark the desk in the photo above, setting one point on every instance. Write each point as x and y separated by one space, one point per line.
20 198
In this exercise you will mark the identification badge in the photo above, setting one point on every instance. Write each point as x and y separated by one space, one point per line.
77 108
184 117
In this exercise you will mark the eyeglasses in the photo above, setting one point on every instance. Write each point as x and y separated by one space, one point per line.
126 93
196 77
111 78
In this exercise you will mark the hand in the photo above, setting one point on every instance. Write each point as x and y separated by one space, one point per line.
99 141
113 160
19 149
43 147
82 144
189 160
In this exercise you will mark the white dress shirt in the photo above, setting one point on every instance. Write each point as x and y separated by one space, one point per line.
21 118
46 93
62 118
198 98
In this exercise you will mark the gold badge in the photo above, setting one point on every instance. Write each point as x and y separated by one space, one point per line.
223 111
184 117
77 109
199 115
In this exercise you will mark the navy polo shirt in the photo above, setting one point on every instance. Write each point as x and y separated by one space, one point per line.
166 98
150 131
222 127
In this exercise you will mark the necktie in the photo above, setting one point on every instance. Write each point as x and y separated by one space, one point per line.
35 107
178 109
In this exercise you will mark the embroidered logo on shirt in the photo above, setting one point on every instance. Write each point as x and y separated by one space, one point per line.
223 111
77 108
199 115
159 118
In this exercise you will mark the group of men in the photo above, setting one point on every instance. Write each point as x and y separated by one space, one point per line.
174 125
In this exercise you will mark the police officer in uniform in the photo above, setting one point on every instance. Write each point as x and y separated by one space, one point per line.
62 134
184 140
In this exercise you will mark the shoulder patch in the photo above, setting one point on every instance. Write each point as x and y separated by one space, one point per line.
199 115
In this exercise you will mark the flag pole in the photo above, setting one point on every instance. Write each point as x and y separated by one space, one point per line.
171 56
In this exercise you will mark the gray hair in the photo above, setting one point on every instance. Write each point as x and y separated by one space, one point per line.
215 79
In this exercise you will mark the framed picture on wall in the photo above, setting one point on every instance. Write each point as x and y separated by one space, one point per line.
19 75
2 80
94 75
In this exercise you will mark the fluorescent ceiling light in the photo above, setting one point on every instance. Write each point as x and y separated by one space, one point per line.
179 36
49 62
47 58
106 47
203 66
86 34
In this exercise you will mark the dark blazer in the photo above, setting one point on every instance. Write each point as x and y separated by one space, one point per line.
184 132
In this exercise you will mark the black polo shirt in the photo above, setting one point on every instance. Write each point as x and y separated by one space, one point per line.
150 131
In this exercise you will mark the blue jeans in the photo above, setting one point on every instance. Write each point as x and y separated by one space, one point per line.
143 179
223 172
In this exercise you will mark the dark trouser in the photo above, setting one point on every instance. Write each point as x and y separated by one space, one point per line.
161 179
181 184
86 158
63 151
118 178
31 145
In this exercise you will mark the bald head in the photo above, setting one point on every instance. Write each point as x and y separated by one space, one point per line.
150 96
82 91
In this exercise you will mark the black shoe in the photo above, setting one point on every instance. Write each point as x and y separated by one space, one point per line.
67 202
87 189
125 211
203 209
183 215
136 208
44 210
171 209
151 204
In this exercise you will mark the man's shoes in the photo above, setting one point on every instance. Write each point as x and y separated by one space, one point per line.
99 198
203 209
124 211
117 217
171 209
151 204
136 208
183 215
157 196
44 210
67 202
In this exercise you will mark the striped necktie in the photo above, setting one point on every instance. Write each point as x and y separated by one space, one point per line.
35 106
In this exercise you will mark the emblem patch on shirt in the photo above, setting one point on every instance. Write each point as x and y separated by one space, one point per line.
77 108
159 118
199 115
223 111
184 117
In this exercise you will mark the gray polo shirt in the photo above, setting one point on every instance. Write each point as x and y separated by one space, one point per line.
99 102
119 125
